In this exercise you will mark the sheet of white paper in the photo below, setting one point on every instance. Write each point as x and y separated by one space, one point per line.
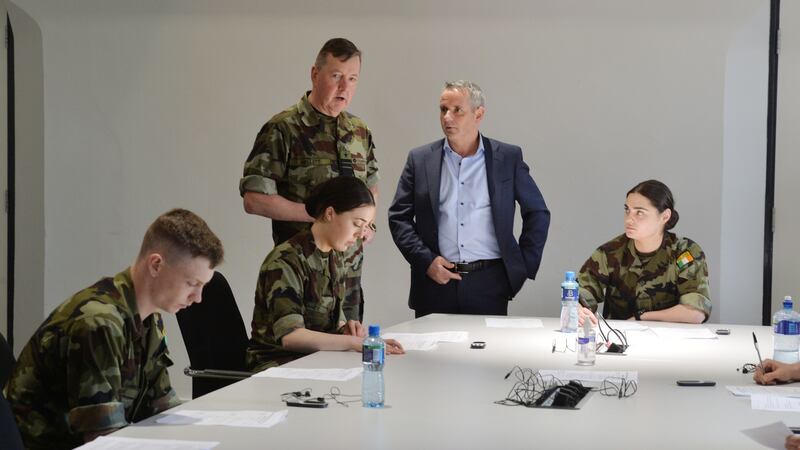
685 333
763 402
755 389
246 418
426 341
124 443
310 374
590 376
772 435
493 322
626 325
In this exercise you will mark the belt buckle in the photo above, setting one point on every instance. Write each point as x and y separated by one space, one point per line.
460 268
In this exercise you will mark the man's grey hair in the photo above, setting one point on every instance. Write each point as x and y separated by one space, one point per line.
475 92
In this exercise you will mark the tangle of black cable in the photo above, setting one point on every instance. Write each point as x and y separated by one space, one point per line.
334 394
530 385
618 387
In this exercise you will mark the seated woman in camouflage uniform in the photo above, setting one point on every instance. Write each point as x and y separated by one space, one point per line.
301 288
648 273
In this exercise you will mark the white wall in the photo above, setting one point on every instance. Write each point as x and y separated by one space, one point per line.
744 171
786 279
151 105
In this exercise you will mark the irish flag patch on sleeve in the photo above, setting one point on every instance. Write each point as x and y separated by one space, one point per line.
684 259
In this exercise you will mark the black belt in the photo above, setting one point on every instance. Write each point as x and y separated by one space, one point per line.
475 265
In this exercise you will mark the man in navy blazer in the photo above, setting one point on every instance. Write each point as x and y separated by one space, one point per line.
452 216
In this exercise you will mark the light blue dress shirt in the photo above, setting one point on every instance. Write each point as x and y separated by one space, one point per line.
466 230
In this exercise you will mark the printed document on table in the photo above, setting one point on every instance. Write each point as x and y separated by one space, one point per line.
124 443
426 341
627 325
771 436
763 402
310 374
493 322
246 418
684 333
755 389
591 376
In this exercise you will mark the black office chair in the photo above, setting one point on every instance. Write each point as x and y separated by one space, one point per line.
215 338
9 432
10 438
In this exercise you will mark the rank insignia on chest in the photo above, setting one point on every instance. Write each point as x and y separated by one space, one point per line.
684 260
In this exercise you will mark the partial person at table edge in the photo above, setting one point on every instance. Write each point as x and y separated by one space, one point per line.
647 273
452 216
300 293
99 361
772 372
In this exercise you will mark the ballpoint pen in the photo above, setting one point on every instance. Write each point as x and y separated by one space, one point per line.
755 343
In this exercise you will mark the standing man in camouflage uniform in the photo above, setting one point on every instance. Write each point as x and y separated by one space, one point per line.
648 273
313 141
99 361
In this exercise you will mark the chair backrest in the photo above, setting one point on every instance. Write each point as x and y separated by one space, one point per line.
7 361
214 334
9 432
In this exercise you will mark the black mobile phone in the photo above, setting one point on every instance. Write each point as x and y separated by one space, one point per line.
310 403
478 345
696 383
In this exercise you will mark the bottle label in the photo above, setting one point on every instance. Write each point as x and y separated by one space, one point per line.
567 293
372 355
787 327
585 340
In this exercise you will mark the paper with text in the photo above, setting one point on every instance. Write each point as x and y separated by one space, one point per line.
771 436
763 402
684 333
246 418
124 443
426 341
493 322
310 374
756 389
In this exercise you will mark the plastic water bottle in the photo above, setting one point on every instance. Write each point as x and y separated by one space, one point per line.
587 347
786 333
372 353
569 304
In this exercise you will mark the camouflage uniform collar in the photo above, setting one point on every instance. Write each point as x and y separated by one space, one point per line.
312 118
305 242
666 245
123 281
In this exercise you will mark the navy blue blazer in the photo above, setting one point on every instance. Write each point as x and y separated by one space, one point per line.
414 213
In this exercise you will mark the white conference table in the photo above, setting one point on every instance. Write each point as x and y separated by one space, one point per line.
444 398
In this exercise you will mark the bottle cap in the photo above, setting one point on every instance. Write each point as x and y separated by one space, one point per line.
374 330
569 276
787 302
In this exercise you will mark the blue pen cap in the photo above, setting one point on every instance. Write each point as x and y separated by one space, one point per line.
374 330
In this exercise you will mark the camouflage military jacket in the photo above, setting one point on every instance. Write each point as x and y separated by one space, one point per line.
628 281
298 287
92 365
300 148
